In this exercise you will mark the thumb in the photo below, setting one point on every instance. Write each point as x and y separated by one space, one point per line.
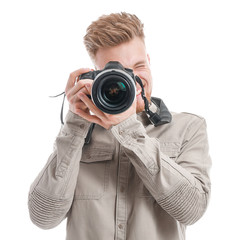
73 76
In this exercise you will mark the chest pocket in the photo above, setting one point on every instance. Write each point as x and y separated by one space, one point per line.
170 149
93 175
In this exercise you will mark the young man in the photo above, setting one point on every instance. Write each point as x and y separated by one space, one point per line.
134 180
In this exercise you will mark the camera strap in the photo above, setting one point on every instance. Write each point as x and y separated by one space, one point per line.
61 113
162 114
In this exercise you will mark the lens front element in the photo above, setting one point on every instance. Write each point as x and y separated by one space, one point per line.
113 91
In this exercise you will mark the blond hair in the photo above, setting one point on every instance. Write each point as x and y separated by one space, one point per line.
112 30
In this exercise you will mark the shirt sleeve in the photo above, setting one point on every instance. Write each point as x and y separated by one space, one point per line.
180 187
51 193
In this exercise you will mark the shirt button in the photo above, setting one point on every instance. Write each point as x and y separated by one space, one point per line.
120 132
120 226
81 126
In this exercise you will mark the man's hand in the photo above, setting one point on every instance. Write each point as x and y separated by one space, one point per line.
81 105
99 117
74 87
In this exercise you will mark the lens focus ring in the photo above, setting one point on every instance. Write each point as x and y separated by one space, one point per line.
113 91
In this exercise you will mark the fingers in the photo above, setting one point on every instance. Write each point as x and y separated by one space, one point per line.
88 116
79 87
92 118
73 76
73 87
81 105
91 106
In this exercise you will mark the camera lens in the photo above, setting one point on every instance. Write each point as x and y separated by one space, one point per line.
114 92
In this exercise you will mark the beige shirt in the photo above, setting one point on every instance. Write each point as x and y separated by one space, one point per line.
134 181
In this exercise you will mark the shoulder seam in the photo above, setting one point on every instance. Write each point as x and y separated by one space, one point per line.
198 116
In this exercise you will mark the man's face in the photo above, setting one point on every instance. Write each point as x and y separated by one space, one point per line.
132 55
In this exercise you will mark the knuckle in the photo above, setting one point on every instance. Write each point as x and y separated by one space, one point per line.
72 75
80 84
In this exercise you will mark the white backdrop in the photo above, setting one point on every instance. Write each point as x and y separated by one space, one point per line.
195 57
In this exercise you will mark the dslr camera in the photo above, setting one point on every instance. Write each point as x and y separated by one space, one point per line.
114 87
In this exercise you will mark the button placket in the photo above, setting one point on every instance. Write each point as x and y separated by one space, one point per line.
120 226
121 209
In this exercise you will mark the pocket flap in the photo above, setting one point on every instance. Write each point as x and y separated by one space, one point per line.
171 149
94 154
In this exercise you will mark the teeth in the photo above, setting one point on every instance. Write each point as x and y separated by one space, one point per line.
138 92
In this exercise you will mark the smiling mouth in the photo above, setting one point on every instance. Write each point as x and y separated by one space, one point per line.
138 93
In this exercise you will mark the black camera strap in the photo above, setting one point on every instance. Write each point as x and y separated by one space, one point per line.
162 115
61 113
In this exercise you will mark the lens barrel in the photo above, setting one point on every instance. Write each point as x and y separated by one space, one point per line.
113 91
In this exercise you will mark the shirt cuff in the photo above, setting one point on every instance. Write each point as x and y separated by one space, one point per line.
75 125
128 130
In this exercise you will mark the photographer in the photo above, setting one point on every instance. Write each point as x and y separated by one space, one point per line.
143 173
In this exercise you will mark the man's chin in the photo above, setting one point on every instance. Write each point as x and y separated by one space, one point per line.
140 106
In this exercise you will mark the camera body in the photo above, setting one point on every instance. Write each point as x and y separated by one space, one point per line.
113 89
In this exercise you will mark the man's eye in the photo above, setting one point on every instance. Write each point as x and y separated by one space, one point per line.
140 66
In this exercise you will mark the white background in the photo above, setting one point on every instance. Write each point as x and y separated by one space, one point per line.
195 56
